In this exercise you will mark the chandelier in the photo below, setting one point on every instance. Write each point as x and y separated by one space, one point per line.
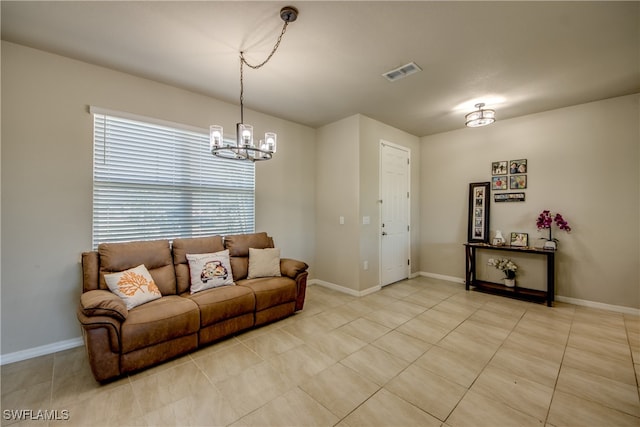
480 117
244 147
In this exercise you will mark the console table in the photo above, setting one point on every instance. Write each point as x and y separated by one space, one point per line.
516 292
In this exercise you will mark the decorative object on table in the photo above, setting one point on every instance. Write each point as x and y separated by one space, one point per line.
499 182
508 197
479 204
499 168
498 239
519 239
517 182
517 166
508 267
545 221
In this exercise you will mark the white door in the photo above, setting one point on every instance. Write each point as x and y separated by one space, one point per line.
394 213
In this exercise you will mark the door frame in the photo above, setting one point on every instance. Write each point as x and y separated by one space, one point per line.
382 143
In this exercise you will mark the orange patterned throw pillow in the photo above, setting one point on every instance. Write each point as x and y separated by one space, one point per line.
135 286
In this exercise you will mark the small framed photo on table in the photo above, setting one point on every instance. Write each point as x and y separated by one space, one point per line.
519 239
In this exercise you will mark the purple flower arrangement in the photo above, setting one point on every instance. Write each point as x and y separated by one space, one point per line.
546 219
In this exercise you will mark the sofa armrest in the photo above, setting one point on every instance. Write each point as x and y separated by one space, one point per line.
106 323
102 340
291 267
103 303
297 270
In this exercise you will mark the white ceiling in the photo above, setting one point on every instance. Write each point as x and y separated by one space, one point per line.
518 57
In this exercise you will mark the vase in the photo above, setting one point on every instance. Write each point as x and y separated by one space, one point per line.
551 242
510 283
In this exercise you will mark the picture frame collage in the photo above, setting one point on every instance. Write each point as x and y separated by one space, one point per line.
505 175
509 175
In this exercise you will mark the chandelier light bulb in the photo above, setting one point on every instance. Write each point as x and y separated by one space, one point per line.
245 133
270 141
215 136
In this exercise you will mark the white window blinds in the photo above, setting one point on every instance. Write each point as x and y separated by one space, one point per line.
157 182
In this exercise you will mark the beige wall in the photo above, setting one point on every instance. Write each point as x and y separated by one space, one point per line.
348 160
337 195
583 162
47 181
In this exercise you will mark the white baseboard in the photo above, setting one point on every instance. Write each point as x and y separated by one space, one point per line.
344 289
42 350
441 277
599 305
560 298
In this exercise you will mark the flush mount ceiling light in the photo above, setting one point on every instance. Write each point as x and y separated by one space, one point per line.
244 148
480 117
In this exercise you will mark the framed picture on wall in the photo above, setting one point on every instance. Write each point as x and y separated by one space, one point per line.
499 168
508 197
499 182
517 182
479 203
517 166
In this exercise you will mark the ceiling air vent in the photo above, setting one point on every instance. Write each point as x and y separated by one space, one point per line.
401 72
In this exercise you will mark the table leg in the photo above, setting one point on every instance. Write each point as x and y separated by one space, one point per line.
470 266
551 277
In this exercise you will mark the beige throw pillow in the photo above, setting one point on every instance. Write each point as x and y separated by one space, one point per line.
209 270
264 263
135 286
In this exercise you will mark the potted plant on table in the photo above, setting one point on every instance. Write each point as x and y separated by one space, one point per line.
545 221
508 267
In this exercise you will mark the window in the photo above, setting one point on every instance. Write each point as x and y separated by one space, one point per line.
157 181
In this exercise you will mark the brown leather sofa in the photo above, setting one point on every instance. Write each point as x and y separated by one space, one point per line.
120 341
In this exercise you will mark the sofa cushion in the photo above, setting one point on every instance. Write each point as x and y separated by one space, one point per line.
159 321
223 303
271 291
264 263
191 245
155 255
135 286
209 271
239 244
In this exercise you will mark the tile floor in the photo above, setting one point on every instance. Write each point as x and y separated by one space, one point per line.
421 352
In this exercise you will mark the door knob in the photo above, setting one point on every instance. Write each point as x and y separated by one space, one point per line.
384 233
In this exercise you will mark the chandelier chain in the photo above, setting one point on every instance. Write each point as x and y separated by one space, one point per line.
255 67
